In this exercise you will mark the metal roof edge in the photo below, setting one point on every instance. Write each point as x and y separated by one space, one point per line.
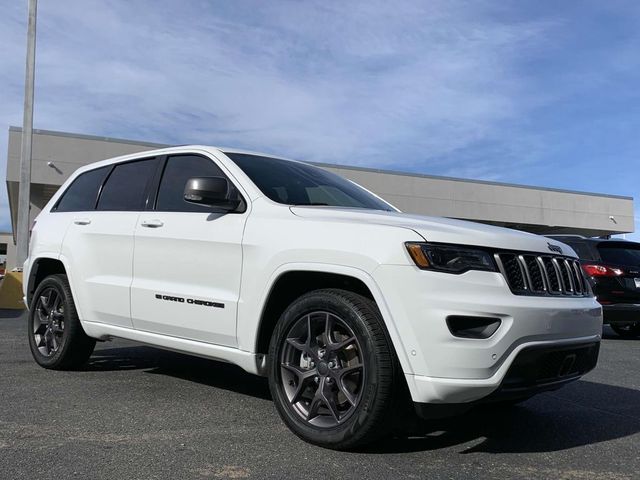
470 180
331 165
83 136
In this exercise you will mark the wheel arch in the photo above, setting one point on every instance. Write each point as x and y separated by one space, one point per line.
39 269
49 264
293 280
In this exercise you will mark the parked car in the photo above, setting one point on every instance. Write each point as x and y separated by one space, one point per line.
613 268
349 306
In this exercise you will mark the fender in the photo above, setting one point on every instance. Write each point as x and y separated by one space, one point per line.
357 273
72 284
30 271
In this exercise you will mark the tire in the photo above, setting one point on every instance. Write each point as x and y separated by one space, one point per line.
56 337
342 398
631 330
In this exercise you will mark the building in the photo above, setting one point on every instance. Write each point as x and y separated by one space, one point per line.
6 239
535 209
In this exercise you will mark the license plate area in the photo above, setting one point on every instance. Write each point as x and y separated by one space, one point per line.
637 282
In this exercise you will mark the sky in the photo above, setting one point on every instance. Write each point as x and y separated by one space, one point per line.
541 93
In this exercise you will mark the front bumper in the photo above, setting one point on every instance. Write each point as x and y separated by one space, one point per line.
621 313
543 368
441 368
534 370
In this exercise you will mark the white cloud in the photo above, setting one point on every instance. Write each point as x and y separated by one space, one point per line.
334 82
410 85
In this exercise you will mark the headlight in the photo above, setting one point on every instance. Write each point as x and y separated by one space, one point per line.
450 258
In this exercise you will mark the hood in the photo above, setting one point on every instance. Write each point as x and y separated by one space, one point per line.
439 229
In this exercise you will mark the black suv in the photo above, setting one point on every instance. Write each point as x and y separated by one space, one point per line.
613 266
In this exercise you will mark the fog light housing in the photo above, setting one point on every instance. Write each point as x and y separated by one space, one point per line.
463 326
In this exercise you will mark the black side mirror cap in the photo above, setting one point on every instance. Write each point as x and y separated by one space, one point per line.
210 191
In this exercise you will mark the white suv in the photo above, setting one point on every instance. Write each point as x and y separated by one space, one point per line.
292 272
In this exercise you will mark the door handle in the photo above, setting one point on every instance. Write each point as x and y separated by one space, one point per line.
82 221
152 223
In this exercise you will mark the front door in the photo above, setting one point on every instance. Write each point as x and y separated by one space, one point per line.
187 261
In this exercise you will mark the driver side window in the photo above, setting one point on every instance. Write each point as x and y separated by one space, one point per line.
177 170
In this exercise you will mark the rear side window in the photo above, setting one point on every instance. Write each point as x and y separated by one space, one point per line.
126 187
83 192
176 173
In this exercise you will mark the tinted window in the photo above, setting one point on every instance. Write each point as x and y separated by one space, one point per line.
623 255
83 192
295 183
176 173
126 186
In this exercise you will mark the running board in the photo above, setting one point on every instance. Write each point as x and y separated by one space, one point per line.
250 362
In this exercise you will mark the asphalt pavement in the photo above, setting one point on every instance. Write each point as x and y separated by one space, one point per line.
136 412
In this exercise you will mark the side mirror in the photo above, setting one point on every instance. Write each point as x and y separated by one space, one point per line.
210 191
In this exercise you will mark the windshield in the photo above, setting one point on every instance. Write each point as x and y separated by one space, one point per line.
294 183
623 255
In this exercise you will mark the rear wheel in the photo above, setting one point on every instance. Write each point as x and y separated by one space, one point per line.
332 369
630 330
56 337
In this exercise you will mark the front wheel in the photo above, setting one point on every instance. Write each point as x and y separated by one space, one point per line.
56 337
630 330
332 369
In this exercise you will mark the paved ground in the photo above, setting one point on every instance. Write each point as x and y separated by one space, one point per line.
136 412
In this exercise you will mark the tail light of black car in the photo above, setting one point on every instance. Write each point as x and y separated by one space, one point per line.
595 270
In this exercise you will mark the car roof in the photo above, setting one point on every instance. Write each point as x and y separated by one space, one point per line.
171 150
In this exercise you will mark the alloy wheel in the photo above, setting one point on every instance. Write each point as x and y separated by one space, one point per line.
48 325
322 369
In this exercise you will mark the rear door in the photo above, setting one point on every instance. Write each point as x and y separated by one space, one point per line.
187 261
98 246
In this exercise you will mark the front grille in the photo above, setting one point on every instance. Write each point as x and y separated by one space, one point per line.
529 274
555 285
512 270
533 269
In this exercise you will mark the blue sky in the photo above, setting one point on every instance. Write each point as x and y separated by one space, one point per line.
534 92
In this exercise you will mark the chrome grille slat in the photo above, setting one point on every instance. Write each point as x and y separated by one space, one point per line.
565 281
534 274
572 279
553 275
547 275
577 270
512 271
543 272
525 272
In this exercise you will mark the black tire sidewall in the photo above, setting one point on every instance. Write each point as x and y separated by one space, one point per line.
359 423
71 322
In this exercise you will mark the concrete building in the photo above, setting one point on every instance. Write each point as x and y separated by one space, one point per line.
6 242
535 209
